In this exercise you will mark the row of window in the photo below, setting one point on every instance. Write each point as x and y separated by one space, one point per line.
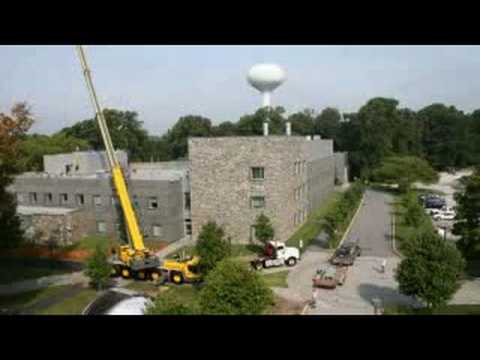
300 167
300 192
156 230
300 216
97 200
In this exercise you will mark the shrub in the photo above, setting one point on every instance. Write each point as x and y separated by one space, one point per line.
234 289
170 304
211 246
263 229
98 268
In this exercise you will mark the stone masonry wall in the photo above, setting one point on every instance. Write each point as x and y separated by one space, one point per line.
221 184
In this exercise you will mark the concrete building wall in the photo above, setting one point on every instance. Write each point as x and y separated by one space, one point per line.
341 168
320 180
168 214
81 162
221 184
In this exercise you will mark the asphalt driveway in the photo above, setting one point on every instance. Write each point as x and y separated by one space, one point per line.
372 226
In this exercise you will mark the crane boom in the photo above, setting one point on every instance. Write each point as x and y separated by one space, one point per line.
133 228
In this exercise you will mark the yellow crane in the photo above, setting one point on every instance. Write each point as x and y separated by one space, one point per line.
134 259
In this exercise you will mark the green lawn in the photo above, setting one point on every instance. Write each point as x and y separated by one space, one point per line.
444 310
313 225
14 269
72 306
23 301
276 279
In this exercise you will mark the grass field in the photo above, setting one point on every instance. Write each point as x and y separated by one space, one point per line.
276 279
14 269
72 306
313 225
32 299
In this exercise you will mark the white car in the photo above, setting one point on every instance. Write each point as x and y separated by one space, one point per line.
444 215
433 212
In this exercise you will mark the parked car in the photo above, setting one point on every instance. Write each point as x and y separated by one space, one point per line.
444 215
346 254
434 203
432 212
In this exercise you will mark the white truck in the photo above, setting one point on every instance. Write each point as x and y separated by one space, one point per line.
277 254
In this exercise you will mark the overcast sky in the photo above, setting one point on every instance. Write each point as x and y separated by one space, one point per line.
163 83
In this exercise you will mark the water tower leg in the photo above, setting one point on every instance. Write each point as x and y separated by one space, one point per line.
266 99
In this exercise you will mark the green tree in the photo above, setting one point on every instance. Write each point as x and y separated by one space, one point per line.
444 136
34 147
467 221
431 269
169 303
98 268
13 129
249 125
303 122
327 124
211 246
234 289
226 128
263 228
185 127
404 170
126 130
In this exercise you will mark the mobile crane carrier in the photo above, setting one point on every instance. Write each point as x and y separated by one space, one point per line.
132 260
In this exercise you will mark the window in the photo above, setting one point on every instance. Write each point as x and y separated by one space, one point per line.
20 198
258 173
115 201
188 227
63 198
97 200
295 219
68 168
187 201
157 230
152 203
80 199
257 202
101 227
48 198
135 201
33 197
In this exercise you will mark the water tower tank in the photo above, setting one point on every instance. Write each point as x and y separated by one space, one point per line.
266 78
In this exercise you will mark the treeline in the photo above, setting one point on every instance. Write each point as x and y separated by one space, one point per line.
443 135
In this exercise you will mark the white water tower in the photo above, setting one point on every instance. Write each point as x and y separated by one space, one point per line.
266 78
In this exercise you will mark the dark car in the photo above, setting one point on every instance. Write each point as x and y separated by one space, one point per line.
434 203
346 254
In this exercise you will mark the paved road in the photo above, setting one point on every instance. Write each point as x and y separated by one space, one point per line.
372 225
365 280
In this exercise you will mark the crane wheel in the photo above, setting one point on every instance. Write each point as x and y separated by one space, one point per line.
141 275
116 270
177 278
155 275
125 273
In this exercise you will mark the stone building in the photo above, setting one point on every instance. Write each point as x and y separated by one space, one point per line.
234 179
230 180
80 181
